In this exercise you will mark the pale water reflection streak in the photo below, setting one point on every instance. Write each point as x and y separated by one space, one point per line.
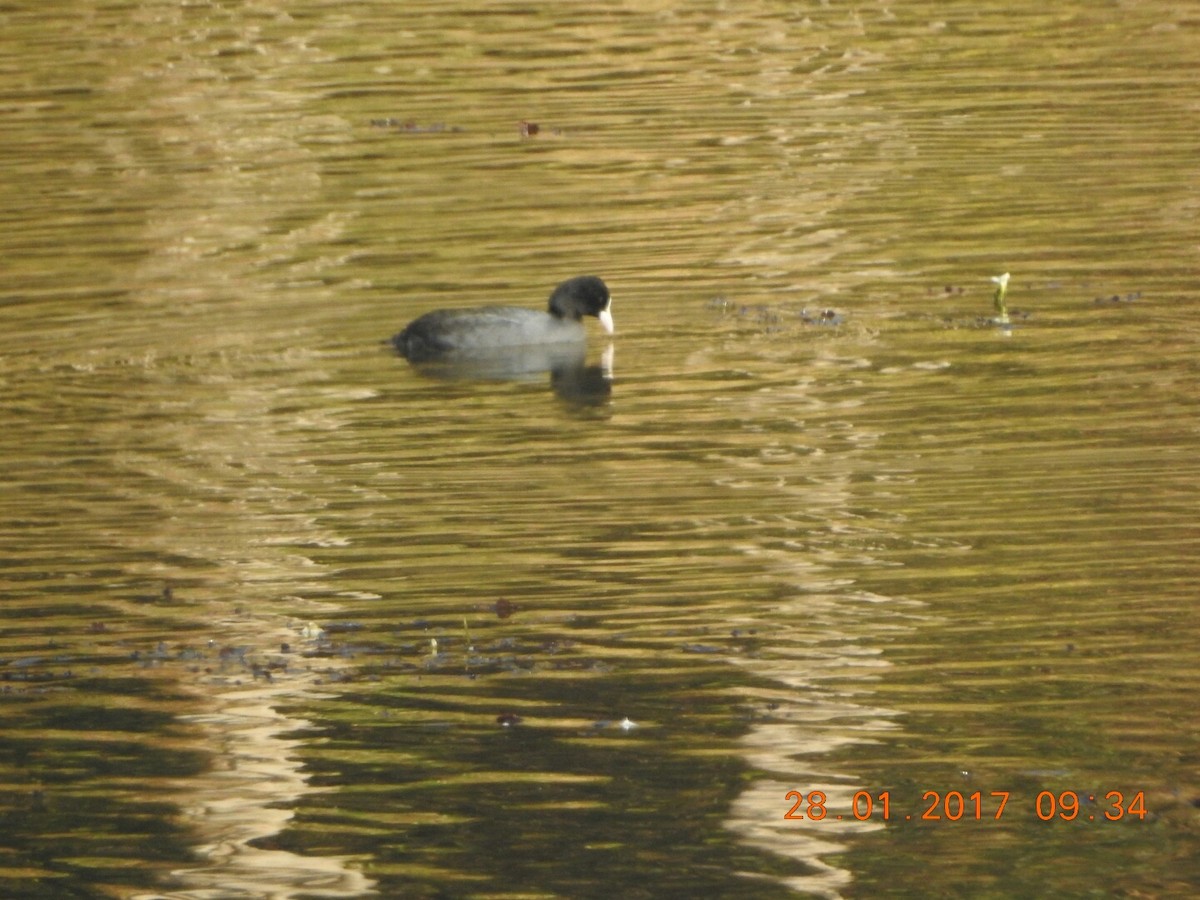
813 525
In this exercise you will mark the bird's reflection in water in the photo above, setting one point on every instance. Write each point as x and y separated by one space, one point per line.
572 378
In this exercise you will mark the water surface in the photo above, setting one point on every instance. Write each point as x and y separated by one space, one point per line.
281 616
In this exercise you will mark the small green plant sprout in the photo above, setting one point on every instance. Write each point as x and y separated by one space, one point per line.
1001 282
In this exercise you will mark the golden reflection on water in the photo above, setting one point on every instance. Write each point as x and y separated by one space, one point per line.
830 530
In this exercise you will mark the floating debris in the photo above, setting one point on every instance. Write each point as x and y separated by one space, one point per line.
775 317
529 129
626 724
701 648
166 595
1001 282
410 126
821 317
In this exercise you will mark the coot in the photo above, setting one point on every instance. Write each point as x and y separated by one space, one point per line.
464 333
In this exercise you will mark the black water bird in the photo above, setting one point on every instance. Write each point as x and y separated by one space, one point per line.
456 334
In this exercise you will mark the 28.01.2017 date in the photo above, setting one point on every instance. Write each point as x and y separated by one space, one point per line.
955 806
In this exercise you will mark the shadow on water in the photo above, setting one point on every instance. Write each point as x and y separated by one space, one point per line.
829 531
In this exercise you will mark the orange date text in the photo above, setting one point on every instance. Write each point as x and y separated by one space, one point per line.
974 806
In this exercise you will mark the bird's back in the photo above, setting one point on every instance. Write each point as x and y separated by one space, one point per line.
451 332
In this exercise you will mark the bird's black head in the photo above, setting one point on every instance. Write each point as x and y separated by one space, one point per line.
585 295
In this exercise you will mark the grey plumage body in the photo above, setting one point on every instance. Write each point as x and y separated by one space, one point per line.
459 333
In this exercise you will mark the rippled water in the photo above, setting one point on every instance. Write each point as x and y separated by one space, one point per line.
281 616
